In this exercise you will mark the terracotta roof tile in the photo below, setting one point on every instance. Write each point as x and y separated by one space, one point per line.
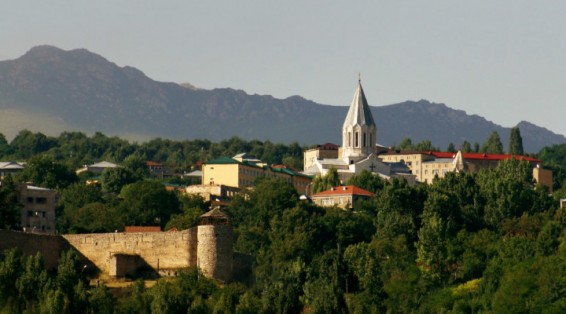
345 190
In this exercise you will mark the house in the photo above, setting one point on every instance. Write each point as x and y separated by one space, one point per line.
97 168
428 165
344 197
242 170
38 211
157 170
10 167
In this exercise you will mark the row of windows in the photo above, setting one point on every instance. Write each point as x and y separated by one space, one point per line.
357 139
250 172
38 200
402 158
330 201
435 171
256 173
443 165
245 182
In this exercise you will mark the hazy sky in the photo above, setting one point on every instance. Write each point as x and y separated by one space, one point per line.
504 60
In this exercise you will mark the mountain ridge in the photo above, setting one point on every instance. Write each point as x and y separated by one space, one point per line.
86 92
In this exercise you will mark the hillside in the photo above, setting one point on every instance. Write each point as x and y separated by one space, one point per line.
51 90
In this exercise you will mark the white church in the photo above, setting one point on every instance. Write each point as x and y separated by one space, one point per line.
359 148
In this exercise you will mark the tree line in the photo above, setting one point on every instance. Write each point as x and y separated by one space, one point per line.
492 145
76 149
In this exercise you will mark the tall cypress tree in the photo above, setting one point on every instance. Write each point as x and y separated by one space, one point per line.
515 142
493 144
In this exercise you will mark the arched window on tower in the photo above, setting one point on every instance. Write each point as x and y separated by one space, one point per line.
365 143
357 139
349 139
371 143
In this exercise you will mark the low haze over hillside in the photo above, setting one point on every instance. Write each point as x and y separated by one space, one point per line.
51 90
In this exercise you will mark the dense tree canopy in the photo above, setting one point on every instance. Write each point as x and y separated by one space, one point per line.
44 171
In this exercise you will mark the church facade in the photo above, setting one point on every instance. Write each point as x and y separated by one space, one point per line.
358 150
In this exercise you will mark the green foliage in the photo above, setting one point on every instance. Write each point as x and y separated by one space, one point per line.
10 206
136 299
432 246
325 182
136 164
493 144
147 203
367 181
193 206
451 148
554 158
26 287
466 147
27 144
72 214
114 179
515 142
398 210
406 144
532 287
101 300
94 218
5 149
424 145
44 171
184 294
508 192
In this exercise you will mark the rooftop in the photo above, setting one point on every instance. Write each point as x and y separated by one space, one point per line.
344 190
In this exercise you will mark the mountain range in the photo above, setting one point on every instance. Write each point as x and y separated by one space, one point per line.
52 90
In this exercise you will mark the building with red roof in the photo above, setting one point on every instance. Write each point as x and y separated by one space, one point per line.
344 197
428 165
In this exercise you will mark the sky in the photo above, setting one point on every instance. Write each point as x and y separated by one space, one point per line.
504 60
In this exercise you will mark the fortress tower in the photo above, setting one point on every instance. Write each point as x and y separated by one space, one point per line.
359 130
215 245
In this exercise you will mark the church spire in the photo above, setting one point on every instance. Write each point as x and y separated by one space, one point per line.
359 130
359 112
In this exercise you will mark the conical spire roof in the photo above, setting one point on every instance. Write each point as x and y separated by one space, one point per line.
359 112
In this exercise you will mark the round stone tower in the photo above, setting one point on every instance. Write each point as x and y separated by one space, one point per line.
215 245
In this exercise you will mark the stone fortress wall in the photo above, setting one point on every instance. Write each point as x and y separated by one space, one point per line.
50 246
118 254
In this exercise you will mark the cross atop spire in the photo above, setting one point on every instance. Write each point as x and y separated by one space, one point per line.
359 77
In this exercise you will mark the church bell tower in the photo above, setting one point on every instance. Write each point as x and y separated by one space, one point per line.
359 130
